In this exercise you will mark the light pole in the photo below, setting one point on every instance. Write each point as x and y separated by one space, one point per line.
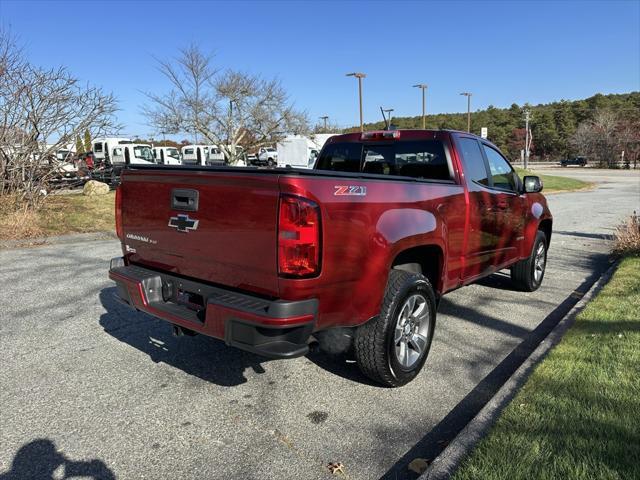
527 140
359 76
468 95
324 117
423 87
388 110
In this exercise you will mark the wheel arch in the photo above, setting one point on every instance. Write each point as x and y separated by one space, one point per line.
545 226
425 259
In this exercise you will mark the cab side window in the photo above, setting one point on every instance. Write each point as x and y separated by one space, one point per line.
474 166
503 176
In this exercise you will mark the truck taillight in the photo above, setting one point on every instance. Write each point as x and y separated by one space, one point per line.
298 237
119 231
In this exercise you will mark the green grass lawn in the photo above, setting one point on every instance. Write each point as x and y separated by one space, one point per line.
61 214
555 183
578 415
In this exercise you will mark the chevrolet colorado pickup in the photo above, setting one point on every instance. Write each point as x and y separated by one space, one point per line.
365 244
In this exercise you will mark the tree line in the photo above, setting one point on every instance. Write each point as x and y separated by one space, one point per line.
599 127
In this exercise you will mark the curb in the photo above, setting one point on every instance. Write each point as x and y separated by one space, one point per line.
445 464
58 239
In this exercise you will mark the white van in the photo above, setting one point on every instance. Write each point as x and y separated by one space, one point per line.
132 154
167 155
216 157
195 154
103 146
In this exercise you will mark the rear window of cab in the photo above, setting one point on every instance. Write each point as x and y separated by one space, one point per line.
425 159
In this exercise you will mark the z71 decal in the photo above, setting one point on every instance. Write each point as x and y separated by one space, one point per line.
356 190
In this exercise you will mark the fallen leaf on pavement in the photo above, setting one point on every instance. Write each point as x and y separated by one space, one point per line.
418 465
336 468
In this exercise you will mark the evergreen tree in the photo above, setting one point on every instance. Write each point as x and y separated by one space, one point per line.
87 141
79 146
553 125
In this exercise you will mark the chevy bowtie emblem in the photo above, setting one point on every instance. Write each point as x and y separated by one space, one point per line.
183 223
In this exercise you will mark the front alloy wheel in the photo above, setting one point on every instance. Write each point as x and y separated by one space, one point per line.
527 274
539 262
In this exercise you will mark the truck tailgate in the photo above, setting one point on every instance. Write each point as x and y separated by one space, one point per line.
234 240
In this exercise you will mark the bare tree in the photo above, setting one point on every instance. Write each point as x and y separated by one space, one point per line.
229 109
330 127
628 134
602 139
41 112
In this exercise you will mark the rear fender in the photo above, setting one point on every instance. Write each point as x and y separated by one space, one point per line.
407 229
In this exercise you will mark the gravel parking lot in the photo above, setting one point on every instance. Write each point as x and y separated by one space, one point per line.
93 388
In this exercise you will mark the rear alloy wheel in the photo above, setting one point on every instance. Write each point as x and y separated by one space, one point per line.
412 330
270 162
527 274
392 348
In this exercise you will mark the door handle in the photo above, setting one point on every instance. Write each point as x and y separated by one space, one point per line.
502 204
184 199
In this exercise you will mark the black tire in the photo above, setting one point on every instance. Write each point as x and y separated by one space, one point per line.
523 273
271 162
374 342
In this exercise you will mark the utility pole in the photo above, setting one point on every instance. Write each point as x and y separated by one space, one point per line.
468 95
388 118
423 87
230 122
325 117
359 76
526 139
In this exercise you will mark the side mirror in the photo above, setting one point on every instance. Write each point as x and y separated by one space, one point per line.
532 184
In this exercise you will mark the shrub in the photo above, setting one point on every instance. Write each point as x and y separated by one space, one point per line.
627 237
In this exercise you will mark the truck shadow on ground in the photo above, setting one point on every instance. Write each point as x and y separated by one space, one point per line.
201 356
40 459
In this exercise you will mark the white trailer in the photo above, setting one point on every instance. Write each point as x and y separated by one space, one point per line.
167 155
300 152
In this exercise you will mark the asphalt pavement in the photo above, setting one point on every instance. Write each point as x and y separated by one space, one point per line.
90 388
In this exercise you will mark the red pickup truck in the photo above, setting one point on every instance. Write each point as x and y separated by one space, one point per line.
367 242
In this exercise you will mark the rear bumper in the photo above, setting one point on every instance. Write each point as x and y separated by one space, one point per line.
272 328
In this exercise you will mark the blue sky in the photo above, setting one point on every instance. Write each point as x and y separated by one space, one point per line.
503 52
